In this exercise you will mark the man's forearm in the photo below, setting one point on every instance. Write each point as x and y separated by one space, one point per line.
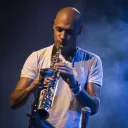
18 97
85 99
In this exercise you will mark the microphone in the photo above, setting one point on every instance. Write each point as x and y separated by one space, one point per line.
86 112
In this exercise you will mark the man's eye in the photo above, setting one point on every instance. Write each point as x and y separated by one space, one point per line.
70 32
59 29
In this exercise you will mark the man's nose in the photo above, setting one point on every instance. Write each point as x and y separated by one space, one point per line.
63 35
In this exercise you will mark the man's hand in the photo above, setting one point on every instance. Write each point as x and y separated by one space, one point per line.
47 80
47 76
25 87
66 73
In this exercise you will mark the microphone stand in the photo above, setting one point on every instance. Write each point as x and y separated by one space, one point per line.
86 111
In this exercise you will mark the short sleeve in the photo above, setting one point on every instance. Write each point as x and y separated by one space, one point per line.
30 67
96 71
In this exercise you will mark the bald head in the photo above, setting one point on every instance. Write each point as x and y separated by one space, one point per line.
69 10
71 14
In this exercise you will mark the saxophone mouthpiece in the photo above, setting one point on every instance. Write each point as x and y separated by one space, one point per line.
61 46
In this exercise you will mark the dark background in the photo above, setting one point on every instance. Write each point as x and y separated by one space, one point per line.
26 26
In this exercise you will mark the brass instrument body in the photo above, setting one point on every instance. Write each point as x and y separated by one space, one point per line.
48 92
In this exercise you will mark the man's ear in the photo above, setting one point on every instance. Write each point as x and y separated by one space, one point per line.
54 23
80 29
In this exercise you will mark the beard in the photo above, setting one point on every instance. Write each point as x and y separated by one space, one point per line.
68 48
66 51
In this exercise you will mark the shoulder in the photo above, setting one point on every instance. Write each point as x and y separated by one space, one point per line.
36 56
31 65
43 50
86 55
40 53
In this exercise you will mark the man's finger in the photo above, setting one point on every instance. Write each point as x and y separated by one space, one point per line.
65 72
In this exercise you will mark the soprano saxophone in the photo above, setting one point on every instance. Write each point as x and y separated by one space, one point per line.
48 92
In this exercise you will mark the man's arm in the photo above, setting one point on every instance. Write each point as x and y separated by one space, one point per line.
22 91
90 97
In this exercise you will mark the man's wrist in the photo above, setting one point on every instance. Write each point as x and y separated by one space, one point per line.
77 89
27 89
75 85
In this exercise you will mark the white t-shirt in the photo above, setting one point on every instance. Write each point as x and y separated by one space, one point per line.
66 111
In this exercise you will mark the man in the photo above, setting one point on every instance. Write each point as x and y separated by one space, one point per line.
80 81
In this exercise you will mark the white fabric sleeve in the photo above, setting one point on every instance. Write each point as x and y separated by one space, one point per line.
96 72
30 67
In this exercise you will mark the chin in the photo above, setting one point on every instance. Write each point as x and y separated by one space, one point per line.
66 51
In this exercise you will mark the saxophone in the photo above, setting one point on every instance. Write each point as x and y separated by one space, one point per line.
48 91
